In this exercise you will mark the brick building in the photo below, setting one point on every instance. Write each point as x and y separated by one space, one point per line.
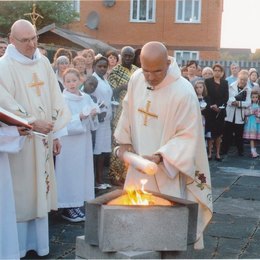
191 29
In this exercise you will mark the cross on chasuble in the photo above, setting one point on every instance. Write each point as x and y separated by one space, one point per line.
36 84
146 112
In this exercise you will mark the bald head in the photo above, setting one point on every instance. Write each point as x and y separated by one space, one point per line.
155 62
154 51
21 26
23 36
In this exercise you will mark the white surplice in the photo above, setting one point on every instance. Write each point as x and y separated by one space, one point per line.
167 120
29 89
74 165
10 142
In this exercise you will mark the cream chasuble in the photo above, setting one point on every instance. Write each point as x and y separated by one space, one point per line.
29 88
168 121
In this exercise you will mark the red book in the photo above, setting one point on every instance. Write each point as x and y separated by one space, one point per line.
12 119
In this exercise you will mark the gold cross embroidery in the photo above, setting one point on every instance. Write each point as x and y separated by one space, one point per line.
37 84
147 112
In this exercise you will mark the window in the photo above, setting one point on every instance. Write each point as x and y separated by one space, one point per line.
76 5
142 11
188 11
184 56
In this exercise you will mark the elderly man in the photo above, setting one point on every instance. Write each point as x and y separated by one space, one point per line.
30 89
161 121
239 99
118 79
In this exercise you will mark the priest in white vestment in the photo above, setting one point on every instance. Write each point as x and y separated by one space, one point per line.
10 142
161 121
29 89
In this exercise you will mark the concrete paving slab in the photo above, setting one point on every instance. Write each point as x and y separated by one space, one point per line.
244 193
243 170
233 227
249 181
237 207
229 248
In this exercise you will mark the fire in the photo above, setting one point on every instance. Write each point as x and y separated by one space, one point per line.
139 197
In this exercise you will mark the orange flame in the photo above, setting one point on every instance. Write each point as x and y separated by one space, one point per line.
139 197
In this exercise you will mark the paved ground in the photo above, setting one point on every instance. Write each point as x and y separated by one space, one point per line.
234 231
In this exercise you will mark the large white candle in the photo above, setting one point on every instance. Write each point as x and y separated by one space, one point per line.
140 163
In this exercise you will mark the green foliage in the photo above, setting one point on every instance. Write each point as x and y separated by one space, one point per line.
59 12
256 55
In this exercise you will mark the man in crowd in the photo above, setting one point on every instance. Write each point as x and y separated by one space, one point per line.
234 69
118 79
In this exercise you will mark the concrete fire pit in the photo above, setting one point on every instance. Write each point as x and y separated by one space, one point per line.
140 228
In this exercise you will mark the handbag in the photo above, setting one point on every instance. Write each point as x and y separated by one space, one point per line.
241 96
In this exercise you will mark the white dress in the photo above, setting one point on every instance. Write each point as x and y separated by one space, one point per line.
10 142
74 165
104 93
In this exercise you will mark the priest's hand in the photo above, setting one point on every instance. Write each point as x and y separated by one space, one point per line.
23 130
156 158
124 148
42 126
56 147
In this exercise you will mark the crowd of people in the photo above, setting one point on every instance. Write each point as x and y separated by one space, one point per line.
230 106
82 105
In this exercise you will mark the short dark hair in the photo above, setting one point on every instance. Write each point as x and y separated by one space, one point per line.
191 62
113 53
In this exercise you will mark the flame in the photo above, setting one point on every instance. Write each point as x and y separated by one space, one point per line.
139 197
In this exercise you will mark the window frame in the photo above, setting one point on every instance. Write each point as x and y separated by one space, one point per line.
184 10
181 52
138 20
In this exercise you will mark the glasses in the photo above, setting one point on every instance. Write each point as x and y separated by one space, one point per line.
33 39
63 63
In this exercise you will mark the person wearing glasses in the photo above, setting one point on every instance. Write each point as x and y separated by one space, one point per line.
29 88
3 46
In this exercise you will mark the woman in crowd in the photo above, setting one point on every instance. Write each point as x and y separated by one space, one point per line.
89 55
217 88
113 59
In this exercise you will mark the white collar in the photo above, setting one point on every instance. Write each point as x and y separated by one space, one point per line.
13 53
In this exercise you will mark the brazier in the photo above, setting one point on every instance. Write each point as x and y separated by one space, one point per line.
140 228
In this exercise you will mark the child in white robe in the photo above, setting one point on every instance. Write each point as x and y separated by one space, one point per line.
10 142
74 165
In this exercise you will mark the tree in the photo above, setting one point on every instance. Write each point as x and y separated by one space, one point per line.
59 12
256 55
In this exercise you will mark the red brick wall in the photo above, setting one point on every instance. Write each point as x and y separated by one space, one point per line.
116 29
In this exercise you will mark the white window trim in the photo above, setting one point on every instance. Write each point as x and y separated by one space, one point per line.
190 58
76 5
147 13
182 20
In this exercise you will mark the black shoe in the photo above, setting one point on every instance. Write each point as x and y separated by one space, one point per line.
209 158
71 215
240 154
218 159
